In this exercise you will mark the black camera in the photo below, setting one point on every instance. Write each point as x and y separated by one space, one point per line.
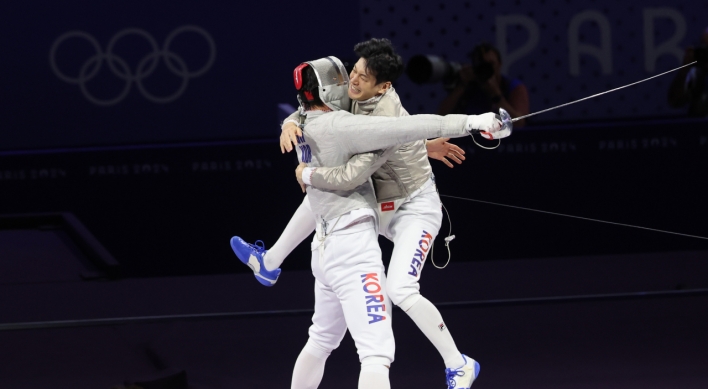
427 69
483 71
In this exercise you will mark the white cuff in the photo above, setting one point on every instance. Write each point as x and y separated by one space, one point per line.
307 175
295 122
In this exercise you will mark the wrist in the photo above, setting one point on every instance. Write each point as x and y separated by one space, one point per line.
295 122
307 175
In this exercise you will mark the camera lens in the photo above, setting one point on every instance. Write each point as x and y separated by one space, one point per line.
420 69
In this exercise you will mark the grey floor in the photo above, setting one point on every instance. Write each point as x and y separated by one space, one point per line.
625 343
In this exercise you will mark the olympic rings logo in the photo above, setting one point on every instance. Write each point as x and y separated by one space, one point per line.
146 66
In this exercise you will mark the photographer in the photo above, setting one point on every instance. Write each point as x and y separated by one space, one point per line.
690 85
482 88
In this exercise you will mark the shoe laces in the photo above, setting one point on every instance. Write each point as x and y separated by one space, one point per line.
258 247
451 375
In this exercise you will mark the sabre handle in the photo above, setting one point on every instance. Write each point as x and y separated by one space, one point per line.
506 126
488 125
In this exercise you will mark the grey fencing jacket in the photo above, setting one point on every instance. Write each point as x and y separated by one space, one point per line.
396 172
333 138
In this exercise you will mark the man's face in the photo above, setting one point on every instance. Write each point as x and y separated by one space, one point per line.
362 84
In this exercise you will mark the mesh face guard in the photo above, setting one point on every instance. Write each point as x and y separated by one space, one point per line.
333 80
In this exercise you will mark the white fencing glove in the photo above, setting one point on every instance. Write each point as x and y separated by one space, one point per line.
488 125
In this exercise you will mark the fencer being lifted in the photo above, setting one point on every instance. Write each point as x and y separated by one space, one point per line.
340 206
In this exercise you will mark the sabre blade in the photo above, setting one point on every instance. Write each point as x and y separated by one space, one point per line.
601 93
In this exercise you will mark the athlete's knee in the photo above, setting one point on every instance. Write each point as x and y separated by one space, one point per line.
374 374
407 302
319 349
327 338
371 362
400 289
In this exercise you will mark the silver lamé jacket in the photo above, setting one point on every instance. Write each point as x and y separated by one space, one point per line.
332 138
396 172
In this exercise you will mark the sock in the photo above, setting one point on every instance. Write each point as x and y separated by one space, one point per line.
427 317
309 367
299 227
374 377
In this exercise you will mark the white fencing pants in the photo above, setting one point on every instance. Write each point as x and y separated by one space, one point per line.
350 292
413 229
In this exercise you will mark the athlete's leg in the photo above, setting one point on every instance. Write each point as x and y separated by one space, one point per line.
309 367
299 227
413 230
326 332
374 374
359 280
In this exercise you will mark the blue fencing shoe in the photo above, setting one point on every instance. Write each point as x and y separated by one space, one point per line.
252 255
463 376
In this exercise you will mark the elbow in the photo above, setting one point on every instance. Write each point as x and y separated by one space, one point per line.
351 185
343 185
360 179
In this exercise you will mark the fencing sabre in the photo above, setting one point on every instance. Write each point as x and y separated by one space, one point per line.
508 122
508 125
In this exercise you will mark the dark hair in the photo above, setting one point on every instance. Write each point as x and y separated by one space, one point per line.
477 54
381 59
309 84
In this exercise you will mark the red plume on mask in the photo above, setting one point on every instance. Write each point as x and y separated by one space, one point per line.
297 77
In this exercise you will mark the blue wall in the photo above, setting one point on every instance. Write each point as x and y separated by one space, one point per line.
562 50
255 47
245 71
